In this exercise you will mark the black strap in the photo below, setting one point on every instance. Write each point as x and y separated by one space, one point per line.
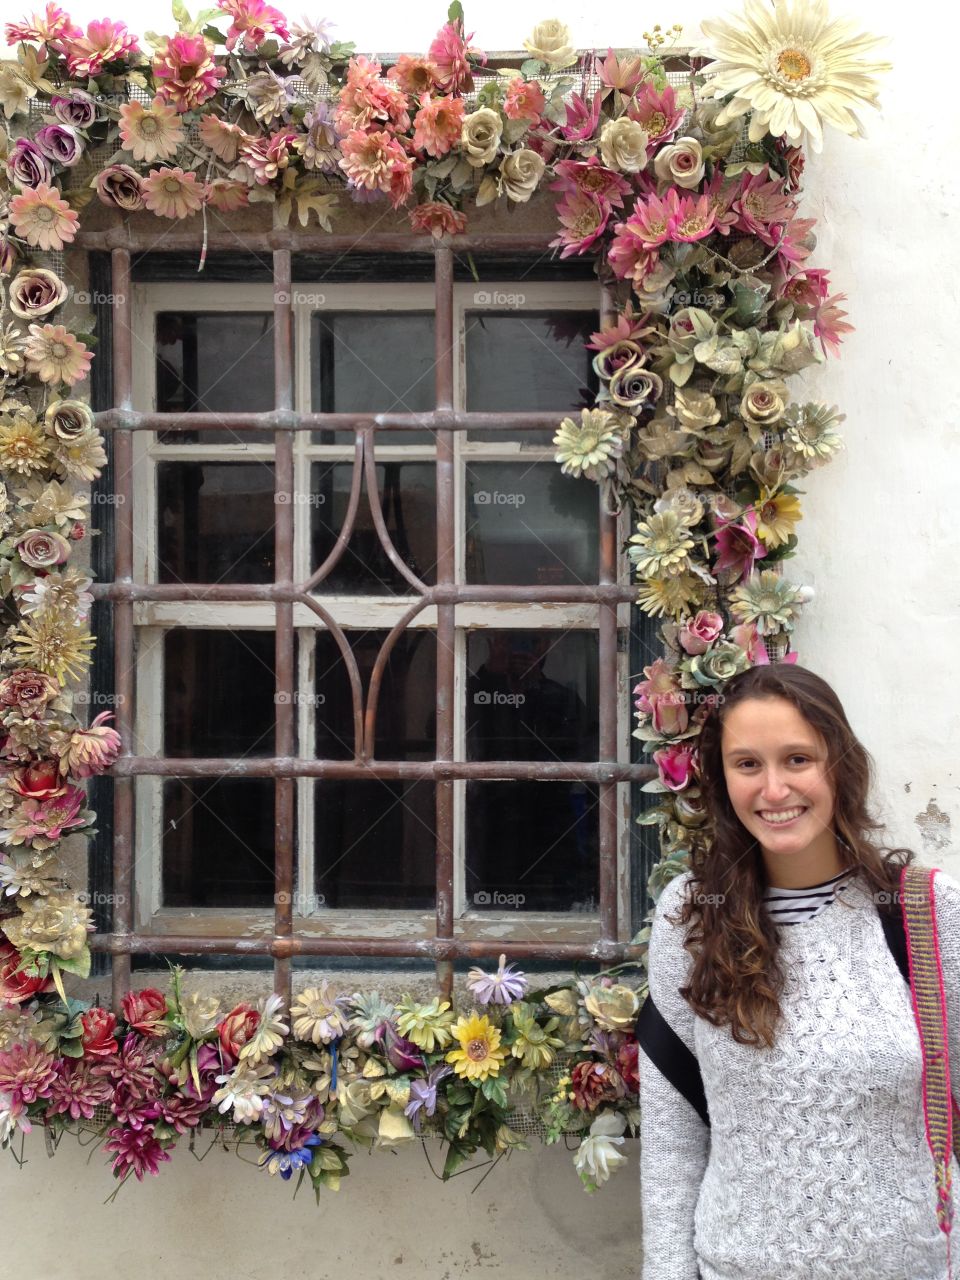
679 1065
671 1056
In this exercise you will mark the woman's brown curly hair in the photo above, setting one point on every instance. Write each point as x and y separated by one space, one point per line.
735 977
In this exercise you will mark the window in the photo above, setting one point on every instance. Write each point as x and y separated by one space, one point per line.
422 741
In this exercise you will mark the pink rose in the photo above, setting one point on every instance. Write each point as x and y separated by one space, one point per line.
676 765
697 636
237 1028
660 680
144 1009
669 713
98 1028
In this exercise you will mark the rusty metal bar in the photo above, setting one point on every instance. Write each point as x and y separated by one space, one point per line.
298 767
439 594
287 420
445 342
443 950
285 706
147 237
123 628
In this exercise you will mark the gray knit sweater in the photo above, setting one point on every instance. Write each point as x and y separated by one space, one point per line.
816 1165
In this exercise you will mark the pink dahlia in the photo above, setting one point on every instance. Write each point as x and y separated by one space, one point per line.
133 1068
137 1151
91 751
253 20
739 546
437 125
185 71
369 102
438 218
52 25
105 41
76 1091
451 52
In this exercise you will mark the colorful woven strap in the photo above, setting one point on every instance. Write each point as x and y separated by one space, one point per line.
929 1007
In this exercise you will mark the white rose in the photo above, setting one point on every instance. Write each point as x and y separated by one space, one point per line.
522 171
681 163
480 136
623 145
550 43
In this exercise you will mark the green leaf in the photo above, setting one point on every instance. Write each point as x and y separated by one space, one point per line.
455 12
213 35
532 67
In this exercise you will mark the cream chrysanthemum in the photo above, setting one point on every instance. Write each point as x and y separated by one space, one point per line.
793 67
810 434
770 602
591 446
661 546
672 597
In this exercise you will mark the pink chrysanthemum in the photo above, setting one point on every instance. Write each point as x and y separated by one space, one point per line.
48 818
91 751
51 25
42 218
368 158
438 125
451 52
369 102
137 1151
185 71
267 157
253 20
27 1073
171 193
132 1068
524 100
76 1091
105 41
438 218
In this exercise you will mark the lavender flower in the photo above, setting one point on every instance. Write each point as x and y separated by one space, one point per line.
59 143
423 1095
502 987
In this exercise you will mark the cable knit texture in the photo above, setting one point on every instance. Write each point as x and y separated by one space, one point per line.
816 1165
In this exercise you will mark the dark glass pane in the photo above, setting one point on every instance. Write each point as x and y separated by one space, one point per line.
409 502
406 707
524 361
215 362
218 693
215 522
373 362
532 695
529 523
375 844
218 842
531 846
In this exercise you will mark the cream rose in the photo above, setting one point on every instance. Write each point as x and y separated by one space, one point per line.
480 136
550 43
36 292
763 403
680 163
623 145
522 171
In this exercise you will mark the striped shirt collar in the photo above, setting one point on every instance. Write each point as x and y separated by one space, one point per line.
793 906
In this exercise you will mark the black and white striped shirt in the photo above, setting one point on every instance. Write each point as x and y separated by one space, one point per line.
791 906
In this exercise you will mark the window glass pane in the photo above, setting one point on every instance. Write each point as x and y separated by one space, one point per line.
373 362
215 362
531 846
218 693
406 707
525 361
218 842
528 523
375 844
215 522
409 503
532 695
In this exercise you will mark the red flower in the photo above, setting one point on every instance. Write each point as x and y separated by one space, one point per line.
38 781
17 987
593 1083
98 1028
144 1009
237 1028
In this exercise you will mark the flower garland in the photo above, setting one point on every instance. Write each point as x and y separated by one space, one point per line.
688 198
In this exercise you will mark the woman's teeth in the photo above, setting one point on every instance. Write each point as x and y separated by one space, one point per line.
779 817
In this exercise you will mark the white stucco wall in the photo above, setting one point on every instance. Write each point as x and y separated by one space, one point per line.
880 543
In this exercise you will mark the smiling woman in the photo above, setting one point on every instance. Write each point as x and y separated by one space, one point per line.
796 1045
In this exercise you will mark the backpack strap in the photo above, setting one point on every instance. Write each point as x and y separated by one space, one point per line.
671 1056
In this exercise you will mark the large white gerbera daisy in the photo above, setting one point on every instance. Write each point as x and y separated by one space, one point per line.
793 68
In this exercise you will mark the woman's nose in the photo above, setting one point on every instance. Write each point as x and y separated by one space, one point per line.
775 787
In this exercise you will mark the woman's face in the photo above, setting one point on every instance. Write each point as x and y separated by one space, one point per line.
776 770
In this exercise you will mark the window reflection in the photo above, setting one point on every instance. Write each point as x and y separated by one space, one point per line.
215 522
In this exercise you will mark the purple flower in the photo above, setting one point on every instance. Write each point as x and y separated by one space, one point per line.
402 1054
59 143
78 110
76 1092
136 1151
285 1162
423 1095
502 987
27 165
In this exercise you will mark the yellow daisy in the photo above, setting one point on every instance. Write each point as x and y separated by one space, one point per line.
777 516
479 1055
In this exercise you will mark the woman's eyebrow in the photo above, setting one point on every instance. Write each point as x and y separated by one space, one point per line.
750 751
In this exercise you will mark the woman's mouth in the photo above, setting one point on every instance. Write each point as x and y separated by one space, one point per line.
782 817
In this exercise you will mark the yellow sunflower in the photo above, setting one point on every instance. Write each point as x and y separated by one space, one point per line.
479 1055
777 516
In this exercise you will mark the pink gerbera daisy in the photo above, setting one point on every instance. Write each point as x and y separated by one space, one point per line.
43 218
171 193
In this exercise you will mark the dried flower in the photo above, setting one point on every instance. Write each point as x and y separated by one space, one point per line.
767 600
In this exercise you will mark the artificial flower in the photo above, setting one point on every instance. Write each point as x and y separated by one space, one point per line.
56 356
27 166
520 173
591 446
598 1155
426 1025
23 446
661 546
535 1045
223 137
60 144
105 41
145 1010
614 1007
135 1151
777 516
268 1035
438 218
319 1015
524 100
185 71
98 1028
438 124
251 22
151 132
810 432
77 108
120 186
57 923
623 145
53 644
36 292
550 43
675 765
451 52
414 75
594 1083
172 193
697 634
767 600
480 1054
681 163
42 218
738 546
42 550
502 987
673 597
793 69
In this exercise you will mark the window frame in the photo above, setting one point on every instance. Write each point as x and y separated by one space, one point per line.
556 934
